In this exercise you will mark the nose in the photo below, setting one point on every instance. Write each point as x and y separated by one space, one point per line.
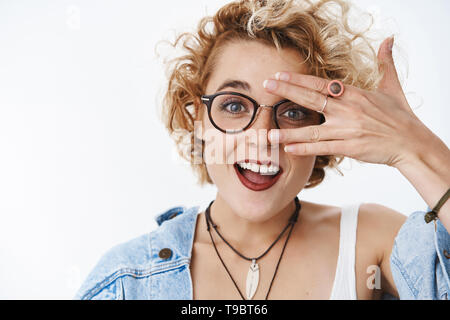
264 118
262 124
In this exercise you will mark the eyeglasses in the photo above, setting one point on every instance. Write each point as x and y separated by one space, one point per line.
233 112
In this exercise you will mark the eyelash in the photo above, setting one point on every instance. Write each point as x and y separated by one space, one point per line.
306 112
225 103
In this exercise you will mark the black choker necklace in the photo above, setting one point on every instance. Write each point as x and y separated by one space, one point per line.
253 272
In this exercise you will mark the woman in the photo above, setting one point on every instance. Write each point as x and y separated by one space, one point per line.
255 97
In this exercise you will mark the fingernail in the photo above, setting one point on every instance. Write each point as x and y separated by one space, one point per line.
283 76
288 149
274 136
270 84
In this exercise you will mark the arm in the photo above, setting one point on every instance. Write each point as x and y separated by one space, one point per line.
378 127
378 226
427 167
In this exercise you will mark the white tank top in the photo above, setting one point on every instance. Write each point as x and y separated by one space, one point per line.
344 286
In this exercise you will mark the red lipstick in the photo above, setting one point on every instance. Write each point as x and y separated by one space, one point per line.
256 186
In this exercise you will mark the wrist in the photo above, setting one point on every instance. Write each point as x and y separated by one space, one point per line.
431 153
425 165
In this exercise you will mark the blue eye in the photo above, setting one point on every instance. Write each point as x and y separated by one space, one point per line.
294 114
233 107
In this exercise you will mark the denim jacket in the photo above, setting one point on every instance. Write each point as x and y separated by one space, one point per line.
156 265
420 259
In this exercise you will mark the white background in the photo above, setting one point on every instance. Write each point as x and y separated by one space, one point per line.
84 161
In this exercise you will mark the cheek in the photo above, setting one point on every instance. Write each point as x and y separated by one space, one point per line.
301 167
218 148
219 174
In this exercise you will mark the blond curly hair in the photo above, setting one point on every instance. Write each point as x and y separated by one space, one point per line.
319 30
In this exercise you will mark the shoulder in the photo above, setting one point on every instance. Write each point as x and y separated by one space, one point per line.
139 257
377 229
412 261
103 282
378 218
416 237
379 225
372 217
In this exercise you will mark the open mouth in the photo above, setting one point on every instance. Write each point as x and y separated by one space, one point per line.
256 176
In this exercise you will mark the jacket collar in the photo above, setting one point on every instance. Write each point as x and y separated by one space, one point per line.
176 233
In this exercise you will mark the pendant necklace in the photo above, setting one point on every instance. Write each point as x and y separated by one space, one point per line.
253 272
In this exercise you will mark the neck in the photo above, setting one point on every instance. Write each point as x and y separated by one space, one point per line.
245 234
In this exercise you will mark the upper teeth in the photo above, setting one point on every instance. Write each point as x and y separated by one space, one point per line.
262 169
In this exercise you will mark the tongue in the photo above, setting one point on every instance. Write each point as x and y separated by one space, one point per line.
256 177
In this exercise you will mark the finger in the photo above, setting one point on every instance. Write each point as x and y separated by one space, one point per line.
311 82
323 148
310 134
390 83
308 98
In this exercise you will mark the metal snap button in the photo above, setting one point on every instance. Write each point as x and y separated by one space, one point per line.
446 254
173 215
165 253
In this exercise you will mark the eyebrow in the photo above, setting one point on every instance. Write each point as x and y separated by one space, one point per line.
236 84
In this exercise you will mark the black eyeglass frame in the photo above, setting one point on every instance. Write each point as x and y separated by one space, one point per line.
208 101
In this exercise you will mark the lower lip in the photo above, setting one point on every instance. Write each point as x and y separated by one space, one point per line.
255 186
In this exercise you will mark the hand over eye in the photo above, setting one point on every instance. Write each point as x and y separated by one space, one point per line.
371 126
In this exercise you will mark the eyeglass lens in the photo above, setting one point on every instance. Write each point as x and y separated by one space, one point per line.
234 113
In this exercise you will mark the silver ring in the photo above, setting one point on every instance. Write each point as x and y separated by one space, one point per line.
324 105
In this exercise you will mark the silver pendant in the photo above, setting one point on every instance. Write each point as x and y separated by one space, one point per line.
252 279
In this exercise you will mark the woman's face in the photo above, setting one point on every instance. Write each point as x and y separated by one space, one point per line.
242 67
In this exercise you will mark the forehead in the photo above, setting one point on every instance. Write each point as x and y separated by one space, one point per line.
253 62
